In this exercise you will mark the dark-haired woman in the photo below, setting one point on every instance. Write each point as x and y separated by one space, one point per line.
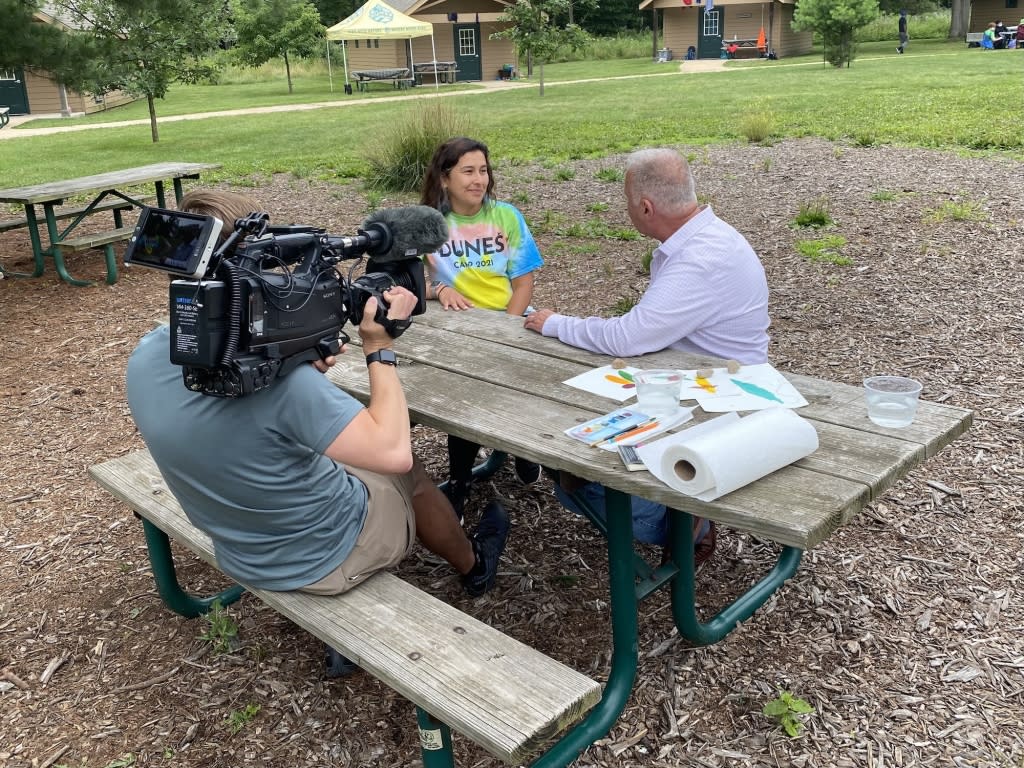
489 262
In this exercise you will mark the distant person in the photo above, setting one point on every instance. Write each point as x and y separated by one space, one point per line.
904 37
731 49
707 296
988 37
1001 36
1020 35
489 261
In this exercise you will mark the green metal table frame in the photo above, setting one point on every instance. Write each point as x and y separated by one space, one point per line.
630 579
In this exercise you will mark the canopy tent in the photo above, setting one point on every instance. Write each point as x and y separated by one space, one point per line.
376 20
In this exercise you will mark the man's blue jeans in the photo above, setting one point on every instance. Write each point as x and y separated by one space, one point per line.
650 520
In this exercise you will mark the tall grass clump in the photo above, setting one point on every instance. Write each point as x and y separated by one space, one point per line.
814 214
758 126
403 153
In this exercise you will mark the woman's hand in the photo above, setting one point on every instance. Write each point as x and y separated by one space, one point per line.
449 298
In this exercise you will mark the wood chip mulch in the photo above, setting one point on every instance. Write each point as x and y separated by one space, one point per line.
904 631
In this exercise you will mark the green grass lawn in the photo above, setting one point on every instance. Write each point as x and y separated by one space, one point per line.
928 97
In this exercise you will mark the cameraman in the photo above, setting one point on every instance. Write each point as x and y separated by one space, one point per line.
300 486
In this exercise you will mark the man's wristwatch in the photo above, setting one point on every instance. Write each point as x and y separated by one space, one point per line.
386 356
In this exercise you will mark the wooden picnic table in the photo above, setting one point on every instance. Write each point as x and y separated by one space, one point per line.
442 71
101 185
480 375
397 76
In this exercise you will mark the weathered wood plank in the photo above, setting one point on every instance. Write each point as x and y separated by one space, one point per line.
111 204
793 506
85 242
876 460
502 694
54 190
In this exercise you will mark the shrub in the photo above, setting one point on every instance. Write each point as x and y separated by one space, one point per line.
757 126
402 156
814 214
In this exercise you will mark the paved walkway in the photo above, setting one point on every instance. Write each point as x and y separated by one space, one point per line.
702 65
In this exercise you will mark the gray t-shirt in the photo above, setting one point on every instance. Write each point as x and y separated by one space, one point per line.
250 471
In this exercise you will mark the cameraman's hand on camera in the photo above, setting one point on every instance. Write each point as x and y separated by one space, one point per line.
378 438
324 365
400 302
449 298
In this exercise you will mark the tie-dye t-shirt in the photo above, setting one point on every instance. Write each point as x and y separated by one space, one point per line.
484 253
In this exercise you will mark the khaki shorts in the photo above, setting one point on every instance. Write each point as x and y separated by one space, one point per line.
388 534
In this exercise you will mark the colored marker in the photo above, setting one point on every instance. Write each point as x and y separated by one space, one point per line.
629 432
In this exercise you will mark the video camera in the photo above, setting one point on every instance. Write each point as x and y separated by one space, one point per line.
269 297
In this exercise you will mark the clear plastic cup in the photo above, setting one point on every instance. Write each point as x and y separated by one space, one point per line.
892 400
658 391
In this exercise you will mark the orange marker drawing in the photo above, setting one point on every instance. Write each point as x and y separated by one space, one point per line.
619 380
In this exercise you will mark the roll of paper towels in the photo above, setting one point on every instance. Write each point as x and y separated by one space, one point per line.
726 453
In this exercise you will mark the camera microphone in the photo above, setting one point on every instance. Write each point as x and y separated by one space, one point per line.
405 233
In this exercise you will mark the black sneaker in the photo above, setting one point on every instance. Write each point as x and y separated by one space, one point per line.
527 472
336 664
457 492
488 543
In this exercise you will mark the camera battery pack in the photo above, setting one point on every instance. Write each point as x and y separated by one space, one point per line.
199 322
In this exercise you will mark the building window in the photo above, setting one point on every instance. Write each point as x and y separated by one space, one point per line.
1011 3
711 24
467 42
7 74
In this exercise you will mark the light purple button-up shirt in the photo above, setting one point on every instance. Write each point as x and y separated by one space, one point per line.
708 295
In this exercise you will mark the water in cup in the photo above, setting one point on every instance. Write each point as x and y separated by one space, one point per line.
658 391
892 400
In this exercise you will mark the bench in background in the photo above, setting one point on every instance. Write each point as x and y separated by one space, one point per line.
5 116
459 672
104 240
974 39
115 204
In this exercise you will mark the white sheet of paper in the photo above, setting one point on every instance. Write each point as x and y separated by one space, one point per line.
752 388
606 382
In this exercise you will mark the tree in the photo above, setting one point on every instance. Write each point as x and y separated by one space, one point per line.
959 19
534 32
268 29
611 18
142 46
835 21
67 57
333 11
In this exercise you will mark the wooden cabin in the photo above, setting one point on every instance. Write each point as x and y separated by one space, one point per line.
462 34
28 91
690 23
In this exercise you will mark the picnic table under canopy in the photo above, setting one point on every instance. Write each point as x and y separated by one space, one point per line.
376 20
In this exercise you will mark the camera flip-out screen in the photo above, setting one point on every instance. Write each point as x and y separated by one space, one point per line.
176 242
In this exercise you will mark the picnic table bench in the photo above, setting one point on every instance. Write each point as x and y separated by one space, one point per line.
5 116
115 205
398 77
460 673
